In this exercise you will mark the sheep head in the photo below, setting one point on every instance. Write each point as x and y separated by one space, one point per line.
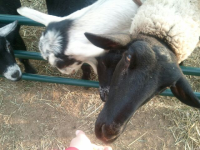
57 44
8 67
147 68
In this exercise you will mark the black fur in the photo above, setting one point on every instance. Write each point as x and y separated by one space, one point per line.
6 58
147 68
86 70
62 27
10 7
65 61
65 7
105 69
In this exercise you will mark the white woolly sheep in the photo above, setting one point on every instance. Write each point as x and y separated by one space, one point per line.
177 22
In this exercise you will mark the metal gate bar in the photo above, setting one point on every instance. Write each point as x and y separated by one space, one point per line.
77 82
37 56
41 78
21 20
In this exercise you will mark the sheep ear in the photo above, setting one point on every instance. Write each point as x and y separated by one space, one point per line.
37 16
183 91
109 42
4 31
138 2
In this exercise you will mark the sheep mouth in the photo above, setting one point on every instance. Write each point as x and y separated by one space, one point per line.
17 79
108 133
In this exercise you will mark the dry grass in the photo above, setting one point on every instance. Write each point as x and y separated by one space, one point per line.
41 116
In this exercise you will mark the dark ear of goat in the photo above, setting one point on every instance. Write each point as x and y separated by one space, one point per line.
183 91
109 42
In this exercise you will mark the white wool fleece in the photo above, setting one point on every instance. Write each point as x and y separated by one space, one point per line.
177 22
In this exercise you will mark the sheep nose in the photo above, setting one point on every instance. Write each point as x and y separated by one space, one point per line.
16 75
106 133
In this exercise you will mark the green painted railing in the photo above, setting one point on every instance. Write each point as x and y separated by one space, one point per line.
28 55
41 78
60 80
76 82
169 93
37 56
21 20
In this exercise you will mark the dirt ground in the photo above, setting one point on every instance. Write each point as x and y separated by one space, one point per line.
44 116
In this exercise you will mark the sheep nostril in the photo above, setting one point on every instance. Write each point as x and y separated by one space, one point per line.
19 78
103 128
105 133
109 133
15 74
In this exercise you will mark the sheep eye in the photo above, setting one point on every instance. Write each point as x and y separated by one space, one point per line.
128 57
9 47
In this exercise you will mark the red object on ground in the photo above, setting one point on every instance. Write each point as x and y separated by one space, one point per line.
71 148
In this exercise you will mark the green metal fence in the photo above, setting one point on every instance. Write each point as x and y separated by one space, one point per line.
77 82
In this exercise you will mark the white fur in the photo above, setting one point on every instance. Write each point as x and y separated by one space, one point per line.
176 22
4 31
37 16
102 17
70 69
52 59
7 46
106 16
50 43
45 19
93 63
10 71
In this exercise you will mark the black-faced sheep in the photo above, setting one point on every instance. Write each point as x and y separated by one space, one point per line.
163 33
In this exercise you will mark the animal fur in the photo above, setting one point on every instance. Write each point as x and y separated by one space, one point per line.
104 16
177 22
